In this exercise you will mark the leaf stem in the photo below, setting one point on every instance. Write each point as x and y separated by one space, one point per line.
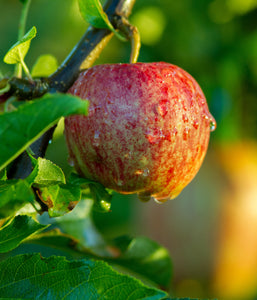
21 32
25 68
135 44
8 103
4 89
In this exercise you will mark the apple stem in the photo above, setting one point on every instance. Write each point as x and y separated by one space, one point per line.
135 44
124 7
132 33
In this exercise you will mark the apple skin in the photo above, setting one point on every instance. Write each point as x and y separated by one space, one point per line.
147 130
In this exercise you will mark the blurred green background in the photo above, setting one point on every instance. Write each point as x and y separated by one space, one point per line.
210 229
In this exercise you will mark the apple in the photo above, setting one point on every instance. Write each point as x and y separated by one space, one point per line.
147 130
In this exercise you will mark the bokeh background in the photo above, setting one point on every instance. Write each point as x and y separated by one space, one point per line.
211 228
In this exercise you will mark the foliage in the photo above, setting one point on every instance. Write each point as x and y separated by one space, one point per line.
57 278
22 126
17 230
99 270
94 14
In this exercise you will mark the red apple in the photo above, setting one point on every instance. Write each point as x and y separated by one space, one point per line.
147 131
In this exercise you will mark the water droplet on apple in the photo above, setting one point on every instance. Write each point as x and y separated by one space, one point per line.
186 133
144 196
110 101
184 118
161 200
209 118
128 155
162 108
162 135
196 124
94 109
205 117
138 172
144 172
166 72
71 161
174 131
96 140
119 182
213 125
153 136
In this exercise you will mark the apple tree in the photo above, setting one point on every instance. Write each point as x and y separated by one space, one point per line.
130 128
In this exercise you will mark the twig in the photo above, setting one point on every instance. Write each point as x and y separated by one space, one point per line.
21 31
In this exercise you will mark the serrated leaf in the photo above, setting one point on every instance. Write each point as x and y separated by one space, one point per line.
60 199
34 277
92 11
14 194
145 257
44 66
46 173
142 256
20 128
20 227
19 50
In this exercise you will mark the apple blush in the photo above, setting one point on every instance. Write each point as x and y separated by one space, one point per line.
147 130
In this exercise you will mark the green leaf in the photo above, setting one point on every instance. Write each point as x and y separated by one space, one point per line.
102 198
19 50
60 199
44 66
31 276
3 175
142 256
62 243
18 229
20 128
14 194
78 180
145 257
46 173
92 11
